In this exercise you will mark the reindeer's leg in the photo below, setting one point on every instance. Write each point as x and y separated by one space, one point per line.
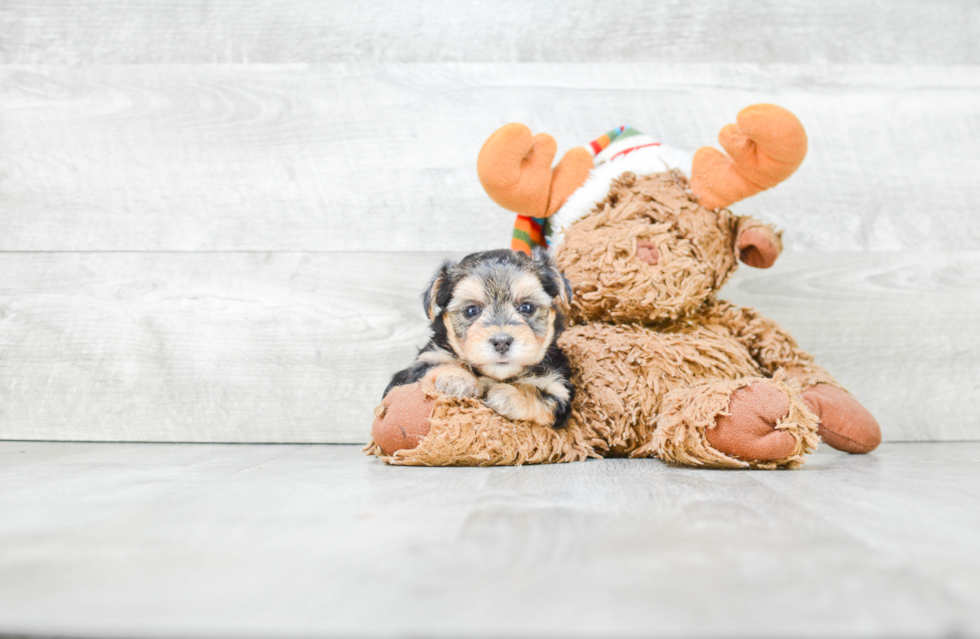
765 147
844 423
745 423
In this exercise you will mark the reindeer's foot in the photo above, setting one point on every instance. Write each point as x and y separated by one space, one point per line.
745 423
748 430
844 423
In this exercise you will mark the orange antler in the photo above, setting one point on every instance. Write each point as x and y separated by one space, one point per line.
766 146
515 170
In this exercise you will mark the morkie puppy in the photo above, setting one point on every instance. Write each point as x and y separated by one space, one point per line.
495 318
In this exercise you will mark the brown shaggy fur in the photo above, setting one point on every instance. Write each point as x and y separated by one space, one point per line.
655 356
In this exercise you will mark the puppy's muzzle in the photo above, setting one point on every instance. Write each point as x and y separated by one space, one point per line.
501 342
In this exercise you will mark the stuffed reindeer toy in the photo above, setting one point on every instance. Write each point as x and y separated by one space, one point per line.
660 366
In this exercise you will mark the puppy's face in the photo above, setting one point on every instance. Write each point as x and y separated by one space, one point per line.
499 309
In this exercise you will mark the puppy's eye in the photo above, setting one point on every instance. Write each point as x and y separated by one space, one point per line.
527 308
471 311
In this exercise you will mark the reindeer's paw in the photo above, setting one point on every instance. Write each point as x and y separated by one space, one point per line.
844 423
403 419
748 432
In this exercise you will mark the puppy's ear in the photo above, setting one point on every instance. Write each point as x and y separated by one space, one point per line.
563 286
431 299
554 281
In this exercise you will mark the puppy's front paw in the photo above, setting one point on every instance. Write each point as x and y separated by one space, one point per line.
500 398
520 403
452 380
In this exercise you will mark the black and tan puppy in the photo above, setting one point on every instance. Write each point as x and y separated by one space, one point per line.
495 318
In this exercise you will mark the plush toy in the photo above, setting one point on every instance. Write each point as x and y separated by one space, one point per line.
661 366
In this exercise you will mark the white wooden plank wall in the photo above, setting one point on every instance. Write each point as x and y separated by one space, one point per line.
216 218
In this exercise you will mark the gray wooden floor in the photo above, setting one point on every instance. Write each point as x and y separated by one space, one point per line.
163 540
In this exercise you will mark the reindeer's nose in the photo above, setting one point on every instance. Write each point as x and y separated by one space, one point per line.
648 252
501 342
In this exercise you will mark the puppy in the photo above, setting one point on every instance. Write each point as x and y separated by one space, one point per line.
495 318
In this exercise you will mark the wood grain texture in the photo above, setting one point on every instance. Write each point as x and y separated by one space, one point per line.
215 217
204 347
297 347
381 157
190 31
156 540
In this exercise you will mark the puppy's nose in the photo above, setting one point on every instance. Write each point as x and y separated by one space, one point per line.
501 342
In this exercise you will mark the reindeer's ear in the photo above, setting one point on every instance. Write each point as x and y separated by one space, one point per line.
757 244
555 282
438 289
